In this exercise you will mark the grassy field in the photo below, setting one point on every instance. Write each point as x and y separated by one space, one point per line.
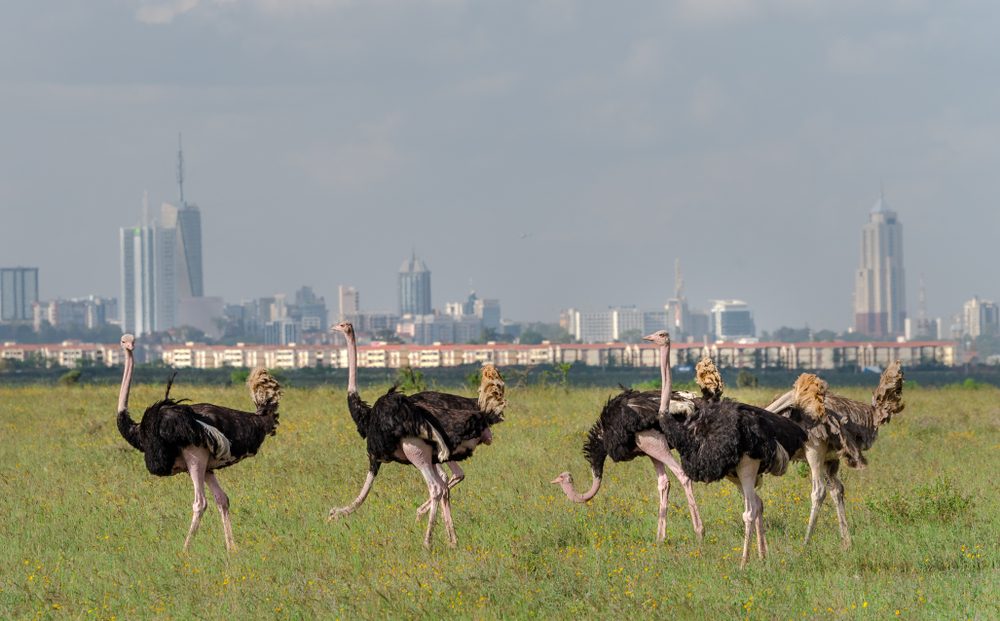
88 533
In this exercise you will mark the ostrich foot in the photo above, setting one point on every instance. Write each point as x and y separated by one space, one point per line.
424 508
338 512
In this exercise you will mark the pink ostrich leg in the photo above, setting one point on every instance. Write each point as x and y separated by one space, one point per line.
338 512
457 476
420 454
196 459
746 472
654 444
221 501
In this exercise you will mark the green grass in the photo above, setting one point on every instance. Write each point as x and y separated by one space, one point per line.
87 533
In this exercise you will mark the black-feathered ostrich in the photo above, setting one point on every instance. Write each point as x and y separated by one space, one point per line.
845 430
426 430
728 439
627 428
199 438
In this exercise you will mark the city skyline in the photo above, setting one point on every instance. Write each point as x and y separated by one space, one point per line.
749 139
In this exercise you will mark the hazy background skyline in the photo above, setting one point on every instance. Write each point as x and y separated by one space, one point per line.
550 154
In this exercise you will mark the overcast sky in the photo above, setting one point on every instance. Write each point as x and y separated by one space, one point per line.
551 154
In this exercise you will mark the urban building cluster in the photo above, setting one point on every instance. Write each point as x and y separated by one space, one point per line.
162 291
760 355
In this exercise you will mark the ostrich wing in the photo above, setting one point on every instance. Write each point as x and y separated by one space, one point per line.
245 431
458 417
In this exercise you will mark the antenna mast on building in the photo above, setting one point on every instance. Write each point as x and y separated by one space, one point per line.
180 169
922 301
678 279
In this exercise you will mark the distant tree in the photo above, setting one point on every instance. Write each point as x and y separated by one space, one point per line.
410 379
825 335
785 334
853 337
562 369
389 336
238 377
551 332
489 335
70 378
531 337
472 380
746 379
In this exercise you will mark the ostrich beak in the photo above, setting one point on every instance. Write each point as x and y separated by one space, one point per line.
556 480
648 337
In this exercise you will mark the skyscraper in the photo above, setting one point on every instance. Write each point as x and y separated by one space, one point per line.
414 287
18 292
137 301
880 294
161 269
349 302
186 221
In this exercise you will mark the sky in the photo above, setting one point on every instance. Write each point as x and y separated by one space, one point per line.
551 154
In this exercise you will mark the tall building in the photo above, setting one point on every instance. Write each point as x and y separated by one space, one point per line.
185 222
880 294
137 297
414 287
161 269
732 320
980 317
18 294
349 301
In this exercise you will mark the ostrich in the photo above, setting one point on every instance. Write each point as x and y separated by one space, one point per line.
627 428
199 438
728 439
426 430
844 431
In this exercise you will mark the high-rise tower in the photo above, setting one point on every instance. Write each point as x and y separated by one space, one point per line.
161 271
414 287
880 293
137 301
18 292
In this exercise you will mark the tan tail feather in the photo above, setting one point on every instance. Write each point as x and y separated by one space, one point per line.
708 377
888 397
491 391
264 389
810 395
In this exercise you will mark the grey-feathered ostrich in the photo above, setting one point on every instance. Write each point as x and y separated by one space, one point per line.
426 430
728 439
628 427
844 430
199 438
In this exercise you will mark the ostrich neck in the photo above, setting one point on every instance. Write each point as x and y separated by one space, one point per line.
590 493
126 382
665 379
352 363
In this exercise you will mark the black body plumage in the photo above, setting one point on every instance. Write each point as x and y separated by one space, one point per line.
712 441
459 419
394 416
168 426
427 415
613 435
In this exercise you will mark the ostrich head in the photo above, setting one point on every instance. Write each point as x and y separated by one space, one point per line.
345 327
564 480
128 342
661 338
